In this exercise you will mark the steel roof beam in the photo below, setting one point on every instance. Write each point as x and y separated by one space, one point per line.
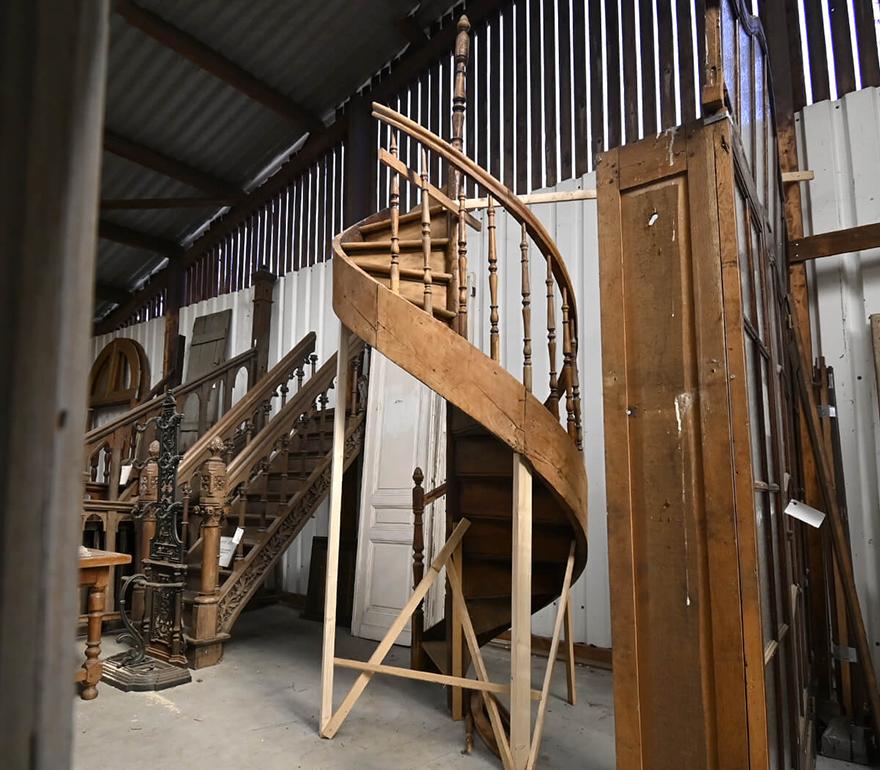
110 231
215 63
135 204
166 165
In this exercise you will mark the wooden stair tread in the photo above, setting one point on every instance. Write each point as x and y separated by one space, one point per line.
410 216
405 272
440 312
404 244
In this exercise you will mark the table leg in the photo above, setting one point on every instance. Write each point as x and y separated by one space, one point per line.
92 665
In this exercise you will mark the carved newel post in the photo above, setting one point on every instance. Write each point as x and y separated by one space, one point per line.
205 645
148 493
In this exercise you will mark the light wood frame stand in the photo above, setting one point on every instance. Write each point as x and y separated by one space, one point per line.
521 751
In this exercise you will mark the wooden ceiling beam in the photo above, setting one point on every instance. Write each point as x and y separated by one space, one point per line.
215 63
106 293
166 165
110 231
134 204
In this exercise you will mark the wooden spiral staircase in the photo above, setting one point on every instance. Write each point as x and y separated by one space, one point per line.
516 484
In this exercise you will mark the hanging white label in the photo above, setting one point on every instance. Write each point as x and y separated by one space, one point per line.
805 513
228 546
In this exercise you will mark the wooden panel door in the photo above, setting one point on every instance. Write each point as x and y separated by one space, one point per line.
704 573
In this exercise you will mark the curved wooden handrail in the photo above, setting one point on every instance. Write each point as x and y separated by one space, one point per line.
247 405
139 412
505 196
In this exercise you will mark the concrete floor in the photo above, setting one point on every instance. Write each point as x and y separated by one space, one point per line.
259 709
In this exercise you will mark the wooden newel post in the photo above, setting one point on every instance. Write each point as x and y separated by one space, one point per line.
205 647
148 493
261 321
418 618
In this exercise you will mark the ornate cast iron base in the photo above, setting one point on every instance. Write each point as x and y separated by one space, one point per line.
148 674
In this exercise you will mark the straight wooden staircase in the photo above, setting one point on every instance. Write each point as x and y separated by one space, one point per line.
263 467
516 490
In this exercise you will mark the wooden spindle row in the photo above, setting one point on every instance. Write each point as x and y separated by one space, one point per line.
462 319
494 342
395 225
553 401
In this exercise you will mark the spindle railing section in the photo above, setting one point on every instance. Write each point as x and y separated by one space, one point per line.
560 295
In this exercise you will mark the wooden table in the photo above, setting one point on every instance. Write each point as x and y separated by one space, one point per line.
94 572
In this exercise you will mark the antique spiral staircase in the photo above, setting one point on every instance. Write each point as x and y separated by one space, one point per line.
400 285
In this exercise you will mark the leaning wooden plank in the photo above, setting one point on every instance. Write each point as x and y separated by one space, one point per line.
561 613
839 542
836 242
333 532
333 724
875 342
521 614
569 652
454 578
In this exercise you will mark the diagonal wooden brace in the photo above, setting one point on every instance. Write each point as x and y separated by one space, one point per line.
332 725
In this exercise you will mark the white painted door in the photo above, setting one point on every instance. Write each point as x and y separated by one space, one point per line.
403 419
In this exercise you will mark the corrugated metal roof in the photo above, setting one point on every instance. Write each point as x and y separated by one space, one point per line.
316 52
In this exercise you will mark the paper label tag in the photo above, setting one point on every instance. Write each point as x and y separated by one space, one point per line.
228 546
124 474
805 513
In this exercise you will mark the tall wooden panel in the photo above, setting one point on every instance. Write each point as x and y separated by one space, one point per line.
702 566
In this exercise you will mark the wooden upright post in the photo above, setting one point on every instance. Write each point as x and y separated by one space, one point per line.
337 470
53 59
261 321
205 648
521 616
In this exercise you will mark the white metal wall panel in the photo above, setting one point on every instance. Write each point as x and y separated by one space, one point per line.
840 142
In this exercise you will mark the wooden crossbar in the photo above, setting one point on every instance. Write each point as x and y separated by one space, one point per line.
330 727
429 676
435 192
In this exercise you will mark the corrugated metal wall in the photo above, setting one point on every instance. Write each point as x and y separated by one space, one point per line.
840 142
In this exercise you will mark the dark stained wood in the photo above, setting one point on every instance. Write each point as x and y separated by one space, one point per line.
551 93
163 164
495 128
686 61
646 45
596 58
211 61
852 239
817 50
107 293
580 75
630 73
841 45
566 170
521 68
110 231
866 39
666 48
700 21
536 107
507 57
612 62
484 127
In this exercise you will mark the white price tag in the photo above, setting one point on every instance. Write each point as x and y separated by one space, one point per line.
228 546
805 513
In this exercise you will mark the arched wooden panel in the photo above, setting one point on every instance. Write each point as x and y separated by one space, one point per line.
120 375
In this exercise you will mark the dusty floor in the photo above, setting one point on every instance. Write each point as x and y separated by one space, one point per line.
259 709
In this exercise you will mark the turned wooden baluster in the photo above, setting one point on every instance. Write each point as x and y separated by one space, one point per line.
526 310
576 385
568 365
426 235
462 268
418 617
553 401
395 225
459 98
493 283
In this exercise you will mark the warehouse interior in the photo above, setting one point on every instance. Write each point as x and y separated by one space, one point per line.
440 384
